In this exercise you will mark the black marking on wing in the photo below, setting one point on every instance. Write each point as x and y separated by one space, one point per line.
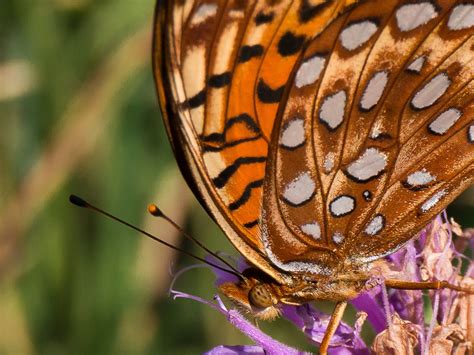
197 100
307 11
382 137
251 224
224 176
242 118
268 95
220 80
212 148
249 52
262 18
290 44
246 194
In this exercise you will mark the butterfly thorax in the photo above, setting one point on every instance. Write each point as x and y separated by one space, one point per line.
263 297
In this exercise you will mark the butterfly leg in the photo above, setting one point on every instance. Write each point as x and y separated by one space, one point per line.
425 285
332 326
256 323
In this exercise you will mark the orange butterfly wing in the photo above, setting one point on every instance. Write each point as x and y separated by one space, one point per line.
221 68
378 142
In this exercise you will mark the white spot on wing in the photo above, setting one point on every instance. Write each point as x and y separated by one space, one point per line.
375 225
433 200
470 133
411 16
236 14
432 91
312 229
204 12
420 178
461 17
377 130
342 205
369 165
338 238
309 71
293 266
332 109
367 195
445 121
300 190
355 35
329 162
374 90
293 134
417 64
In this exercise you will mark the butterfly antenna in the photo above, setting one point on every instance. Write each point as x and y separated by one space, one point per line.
75 200
156 212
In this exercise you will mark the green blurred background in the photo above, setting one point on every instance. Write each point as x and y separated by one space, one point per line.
79 115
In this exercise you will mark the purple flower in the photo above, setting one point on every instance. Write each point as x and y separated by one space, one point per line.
264 343
396 316
431 256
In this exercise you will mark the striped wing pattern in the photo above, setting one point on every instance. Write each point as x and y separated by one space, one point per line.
319 133
226 66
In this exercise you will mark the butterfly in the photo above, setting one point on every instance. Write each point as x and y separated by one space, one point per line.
319 135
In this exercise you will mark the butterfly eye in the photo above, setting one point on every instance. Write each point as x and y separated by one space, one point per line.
260 296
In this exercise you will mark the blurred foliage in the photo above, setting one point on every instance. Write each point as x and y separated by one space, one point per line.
79 115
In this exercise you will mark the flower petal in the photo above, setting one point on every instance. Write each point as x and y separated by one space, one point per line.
236 349
401 338
375 313
314 323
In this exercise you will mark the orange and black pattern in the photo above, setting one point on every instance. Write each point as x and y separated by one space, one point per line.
317 130
234 59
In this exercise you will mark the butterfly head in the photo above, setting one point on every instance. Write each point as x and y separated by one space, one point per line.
256 293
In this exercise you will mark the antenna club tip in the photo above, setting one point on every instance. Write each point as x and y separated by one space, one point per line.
76 200
154 210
